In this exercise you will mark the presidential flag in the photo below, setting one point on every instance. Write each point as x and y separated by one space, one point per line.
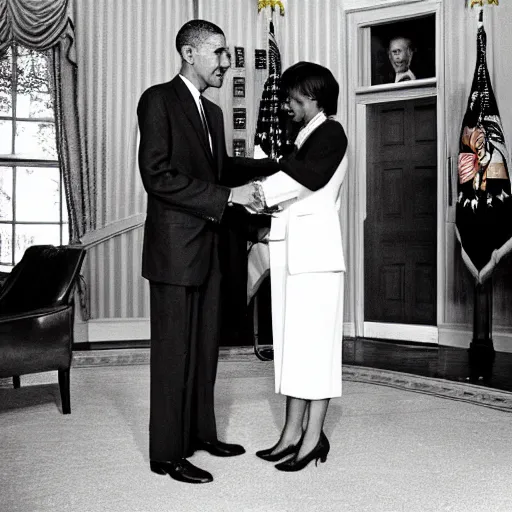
484 203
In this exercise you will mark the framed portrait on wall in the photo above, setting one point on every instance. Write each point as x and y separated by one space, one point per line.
239 118
239 87
403 50
239 148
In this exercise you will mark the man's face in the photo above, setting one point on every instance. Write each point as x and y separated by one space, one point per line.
211 61
400 55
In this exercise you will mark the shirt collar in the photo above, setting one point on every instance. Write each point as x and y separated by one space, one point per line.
192 88
306 131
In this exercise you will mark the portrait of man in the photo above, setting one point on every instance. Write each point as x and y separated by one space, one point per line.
403 51
400 53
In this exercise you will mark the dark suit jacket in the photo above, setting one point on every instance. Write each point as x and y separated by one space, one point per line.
181 178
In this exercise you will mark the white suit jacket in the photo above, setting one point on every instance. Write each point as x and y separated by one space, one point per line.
309 223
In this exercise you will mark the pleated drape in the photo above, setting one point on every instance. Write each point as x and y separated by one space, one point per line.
46 25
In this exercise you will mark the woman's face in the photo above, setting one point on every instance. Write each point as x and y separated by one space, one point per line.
301 108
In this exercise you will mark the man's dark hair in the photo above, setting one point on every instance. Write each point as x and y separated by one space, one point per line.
194 32
314 81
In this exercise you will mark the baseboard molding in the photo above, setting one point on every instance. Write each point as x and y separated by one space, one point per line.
401 332
117 329
107 330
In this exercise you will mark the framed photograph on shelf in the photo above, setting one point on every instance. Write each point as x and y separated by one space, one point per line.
403 50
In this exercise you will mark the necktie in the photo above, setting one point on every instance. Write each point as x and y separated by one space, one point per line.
205 123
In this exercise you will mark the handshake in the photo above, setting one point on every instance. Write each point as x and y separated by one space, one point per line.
252 198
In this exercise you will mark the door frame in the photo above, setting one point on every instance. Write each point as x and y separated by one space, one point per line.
359 97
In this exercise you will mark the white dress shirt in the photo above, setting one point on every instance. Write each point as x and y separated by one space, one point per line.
196 95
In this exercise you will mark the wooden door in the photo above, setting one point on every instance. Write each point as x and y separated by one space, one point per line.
401 223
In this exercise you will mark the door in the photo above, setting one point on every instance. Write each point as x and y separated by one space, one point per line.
400 232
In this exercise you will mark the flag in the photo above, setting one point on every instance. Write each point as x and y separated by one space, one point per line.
484 203
268 137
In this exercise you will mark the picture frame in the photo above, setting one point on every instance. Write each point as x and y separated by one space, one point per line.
403 50
239 147
239 118
239 87
260 59
239 57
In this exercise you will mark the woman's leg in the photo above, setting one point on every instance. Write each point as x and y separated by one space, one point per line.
316 415
292 430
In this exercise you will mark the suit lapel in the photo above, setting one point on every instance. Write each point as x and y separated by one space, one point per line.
189 107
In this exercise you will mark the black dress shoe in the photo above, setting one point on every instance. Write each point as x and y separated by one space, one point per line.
289 450
182 470
274 457
218 448
320 451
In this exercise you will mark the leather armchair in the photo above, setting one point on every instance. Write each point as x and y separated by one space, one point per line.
37 315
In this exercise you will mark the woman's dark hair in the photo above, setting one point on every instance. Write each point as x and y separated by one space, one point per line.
314 81
194 32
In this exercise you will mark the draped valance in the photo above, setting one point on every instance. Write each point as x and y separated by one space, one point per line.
36 24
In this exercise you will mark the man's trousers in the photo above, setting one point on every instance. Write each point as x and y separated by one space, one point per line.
185 328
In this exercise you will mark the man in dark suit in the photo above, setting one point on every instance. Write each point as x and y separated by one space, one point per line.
182 154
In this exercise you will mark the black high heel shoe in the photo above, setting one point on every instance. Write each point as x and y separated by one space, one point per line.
274 457
320 451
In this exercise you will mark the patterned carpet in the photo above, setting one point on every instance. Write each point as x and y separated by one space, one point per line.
399 443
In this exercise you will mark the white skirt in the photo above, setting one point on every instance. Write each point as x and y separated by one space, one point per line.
307 326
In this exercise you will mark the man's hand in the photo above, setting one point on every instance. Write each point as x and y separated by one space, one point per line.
248 195
252 198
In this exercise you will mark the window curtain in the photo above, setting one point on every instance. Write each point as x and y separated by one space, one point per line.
46 25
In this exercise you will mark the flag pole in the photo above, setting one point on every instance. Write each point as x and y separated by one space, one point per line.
481 349
267 142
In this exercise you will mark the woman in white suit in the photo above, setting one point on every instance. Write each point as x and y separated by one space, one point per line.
307 266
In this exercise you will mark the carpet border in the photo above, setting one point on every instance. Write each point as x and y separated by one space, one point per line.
442 388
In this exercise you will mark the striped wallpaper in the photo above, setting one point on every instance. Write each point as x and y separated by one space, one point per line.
123 47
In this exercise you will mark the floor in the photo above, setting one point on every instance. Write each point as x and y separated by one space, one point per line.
393 449
492 370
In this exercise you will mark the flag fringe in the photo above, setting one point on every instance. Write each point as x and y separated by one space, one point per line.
480 3
272 4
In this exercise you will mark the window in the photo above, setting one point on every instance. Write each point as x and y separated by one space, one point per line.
32 203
